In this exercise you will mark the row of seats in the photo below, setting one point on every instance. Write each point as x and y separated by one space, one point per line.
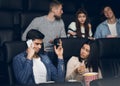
35 5
104 51
17 14
69 6
18 22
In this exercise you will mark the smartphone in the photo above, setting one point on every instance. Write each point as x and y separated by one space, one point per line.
30 43
56 43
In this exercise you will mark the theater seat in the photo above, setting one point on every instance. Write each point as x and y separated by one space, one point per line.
5 35
3 75
106 82
11 5
39 5
9 21
26 18
11 49
109 57
6 20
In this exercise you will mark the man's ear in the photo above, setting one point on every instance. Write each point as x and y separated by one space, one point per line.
53 9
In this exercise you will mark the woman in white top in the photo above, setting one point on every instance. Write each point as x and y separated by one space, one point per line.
84 63
81 27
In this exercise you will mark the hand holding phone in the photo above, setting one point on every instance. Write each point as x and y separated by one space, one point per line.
56 43
30 50
59 49
30 43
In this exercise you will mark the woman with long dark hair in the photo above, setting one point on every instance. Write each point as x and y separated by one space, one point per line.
84 63
81 27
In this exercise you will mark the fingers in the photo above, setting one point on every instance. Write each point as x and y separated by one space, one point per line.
32 45
55 48
60 42
81 69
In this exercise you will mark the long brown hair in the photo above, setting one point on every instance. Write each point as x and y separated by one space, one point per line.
79 34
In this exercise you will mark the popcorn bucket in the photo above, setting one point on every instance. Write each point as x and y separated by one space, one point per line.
88 77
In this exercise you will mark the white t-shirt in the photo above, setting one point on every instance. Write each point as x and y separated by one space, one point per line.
39 71
72 28
112 28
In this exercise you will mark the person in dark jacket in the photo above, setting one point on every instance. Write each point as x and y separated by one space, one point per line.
33 67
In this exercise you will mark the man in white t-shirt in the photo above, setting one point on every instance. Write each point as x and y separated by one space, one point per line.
33 67
110 28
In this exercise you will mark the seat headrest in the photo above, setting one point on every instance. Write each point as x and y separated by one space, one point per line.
11 49
39 5
109 48
6 35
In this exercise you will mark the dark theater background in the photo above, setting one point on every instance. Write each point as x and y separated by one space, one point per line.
16 15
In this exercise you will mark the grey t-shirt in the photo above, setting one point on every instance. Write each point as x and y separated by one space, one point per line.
51 30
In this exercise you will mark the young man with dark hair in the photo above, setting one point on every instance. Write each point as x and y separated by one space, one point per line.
110 28
31 67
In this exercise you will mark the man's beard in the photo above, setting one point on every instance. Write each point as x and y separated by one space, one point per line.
57 17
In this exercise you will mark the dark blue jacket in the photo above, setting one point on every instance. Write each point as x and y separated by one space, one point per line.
23 71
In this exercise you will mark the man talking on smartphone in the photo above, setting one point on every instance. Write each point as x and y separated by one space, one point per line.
32 67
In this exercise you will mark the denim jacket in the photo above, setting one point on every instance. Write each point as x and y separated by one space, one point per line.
23 71
103 30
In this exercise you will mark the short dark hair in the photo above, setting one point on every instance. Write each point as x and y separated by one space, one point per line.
34 34
54 3
102 12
